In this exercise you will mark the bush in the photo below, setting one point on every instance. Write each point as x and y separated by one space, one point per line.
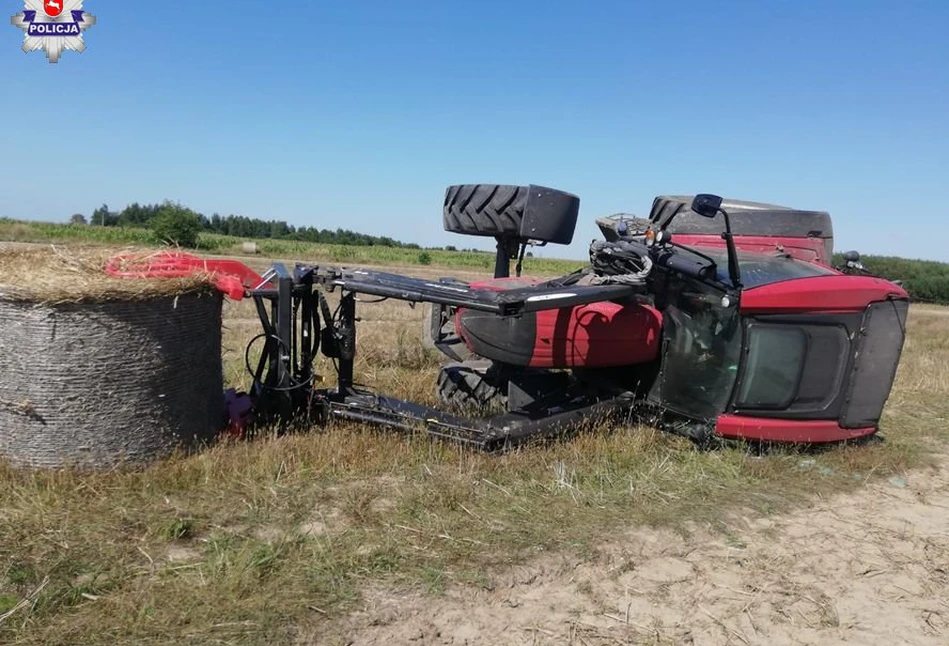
924 280
425 258
176 225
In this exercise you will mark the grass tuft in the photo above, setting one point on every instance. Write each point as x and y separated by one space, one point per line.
178 528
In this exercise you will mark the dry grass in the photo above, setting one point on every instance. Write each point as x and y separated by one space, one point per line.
57 274
264 542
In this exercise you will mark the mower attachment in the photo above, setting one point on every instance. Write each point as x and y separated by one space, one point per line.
502 431
297 322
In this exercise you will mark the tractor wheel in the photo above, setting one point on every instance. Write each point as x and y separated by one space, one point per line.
456 352
471 384
427 312
485 209
747 219
513 212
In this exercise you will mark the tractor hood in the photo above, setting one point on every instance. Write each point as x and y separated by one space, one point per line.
828 293
779 283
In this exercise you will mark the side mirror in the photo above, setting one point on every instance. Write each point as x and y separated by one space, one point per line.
851 256
706 205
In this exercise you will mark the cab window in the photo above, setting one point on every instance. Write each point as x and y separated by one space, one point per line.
700 364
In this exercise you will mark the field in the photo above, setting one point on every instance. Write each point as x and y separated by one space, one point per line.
209 243
620 535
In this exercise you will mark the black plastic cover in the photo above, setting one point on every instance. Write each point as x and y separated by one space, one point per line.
550 215
507 339
687 266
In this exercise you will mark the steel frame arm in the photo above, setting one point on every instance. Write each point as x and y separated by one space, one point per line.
510 302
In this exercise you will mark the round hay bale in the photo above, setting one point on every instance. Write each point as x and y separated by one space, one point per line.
97 371
250 248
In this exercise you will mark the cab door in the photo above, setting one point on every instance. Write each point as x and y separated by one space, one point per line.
700 351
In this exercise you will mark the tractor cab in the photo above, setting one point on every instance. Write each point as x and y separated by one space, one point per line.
798 341
762 343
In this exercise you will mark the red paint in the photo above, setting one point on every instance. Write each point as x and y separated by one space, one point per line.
231 277
782 430
808 249
596 335
53 8
834 292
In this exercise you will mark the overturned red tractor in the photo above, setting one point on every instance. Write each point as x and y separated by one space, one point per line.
743 333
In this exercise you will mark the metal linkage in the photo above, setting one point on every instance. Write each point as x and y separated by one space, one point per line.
291 324
290 313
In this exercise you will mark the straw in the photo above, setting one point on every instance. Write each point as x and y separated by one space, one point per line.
57 274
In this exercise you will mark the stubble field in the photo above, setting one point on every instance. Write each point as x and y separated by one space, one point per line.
619 535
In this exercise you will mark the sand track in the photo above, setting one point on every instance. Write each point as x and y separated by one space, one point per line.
867 567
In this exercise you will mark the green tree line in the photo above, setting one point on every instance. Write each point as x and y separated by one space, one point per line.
185 224
924 280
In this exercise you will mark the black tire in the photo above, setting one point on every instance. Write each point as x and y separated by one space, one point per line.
428 311
471 384
502 210
456 351
485 209
747 219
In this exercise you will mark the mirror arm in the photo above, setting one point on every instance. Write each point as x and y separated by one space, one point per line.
734 273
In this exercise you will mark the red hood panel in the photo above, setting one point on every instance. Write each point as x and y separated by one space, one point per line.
819 293
808 249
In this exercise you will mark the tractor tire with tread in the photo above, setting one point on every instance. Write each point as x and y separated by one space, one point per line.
512 212
747 219
467 384
485 209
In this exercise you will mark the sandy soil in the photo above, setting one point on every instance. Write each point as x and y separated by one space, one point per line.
869 567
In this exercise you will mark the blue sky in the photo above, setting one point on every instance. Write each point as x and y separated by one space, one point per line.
358 114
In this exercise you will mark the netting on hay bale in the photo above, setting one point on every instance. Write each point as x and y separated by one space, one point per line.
97 371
